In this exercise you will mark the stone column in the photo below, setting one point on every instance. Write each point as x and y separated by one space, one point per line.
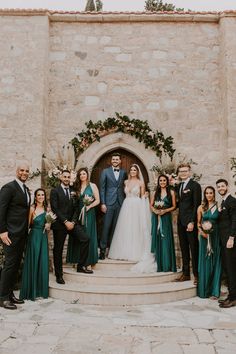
228 84
24 91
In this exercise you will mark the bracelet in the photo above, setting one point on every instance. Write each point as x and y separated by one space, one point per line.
65 221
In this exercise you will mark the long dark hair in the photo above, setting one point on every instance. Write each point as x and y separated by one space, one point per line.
205 203
77 185
45 204
158 189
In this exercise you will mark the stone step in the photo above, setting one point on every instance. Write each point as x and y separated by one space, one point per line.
113 264
117 277
121 295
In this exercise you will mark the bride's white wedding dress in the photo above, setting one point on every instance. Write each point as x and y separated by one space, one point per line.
132 237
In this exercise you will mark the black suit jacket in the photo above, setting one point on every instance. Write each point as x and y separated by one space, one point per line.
227 220
14 209
62 207
188 202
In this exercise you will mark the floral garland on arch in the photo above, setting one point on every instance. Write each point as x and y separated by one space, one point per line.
140 129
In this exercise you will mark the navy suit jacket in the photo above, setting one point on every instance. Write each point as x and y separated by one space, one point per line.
14 209
112 190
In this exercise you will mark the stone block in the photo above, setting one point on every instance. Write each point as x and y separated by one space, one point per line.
57 56
112 49
91 100
124 57
154 106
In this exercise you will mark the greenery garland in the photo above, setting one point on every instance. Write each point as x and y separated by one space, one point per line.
135 127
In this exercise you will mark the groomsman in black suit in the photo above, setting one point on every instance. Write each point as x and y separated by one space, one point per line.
189 198
227 230
63 205
14 214
112 196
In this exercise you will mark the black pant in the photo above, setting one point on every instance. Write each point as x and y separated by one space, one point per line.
230 262
59 236
188 242
13 256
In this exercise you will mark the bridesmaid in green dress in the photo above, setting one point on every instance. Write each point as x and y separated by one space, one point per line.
162 204
209 264
35 276
88 199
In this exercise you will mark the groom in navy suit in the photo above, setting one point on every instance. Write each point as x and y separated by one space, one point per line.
112 196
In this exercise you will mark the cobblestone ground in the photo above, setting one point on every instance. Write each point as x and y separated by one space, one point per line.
54 326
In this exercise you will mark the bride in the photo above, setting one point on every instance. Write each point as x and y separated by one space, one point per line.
132 237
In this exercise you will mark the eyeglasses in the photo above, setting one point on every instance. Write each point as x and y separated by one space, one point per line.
183 171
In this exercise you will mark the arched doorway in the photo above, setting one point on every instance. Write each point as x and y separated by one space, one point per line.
127 159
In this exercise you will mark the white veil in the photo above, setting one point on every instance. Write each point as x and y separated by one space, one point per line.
139 172
147 263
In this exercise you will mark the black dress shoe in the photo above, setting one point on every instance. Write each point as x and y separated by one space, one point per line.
102 255
84 270
60 280
183 278
227 304
14 300
6 304
221 301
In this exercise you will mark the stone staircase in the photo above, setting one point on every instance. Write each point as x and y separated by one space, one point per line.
113 283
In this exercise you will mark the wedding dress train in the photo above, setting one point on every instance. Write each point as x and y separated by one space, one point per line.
132 237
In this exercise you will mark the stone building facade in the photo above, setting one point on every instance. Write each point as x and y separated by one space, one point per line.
59 70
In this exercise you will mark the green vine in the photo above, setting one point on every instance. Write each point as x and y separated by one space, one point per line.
233 167
141 130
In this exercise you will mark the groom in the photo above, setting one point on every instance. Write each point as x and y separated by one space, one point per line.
112 196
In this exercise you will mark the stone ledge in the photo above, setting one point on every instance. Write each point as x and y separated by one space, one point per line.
106 17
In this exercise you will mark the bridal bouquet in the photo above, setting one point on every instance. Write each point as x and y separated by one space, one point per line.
159 204
50 218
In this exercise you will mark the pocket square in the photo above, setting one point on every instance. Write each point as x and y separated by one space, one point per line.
187 191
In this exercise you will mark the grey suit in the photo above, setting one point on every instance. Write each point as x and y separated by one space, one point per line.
112 195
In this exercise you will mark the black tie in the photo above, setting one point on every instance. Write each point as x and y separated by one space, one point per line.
26 192
67 193
222 204
181 188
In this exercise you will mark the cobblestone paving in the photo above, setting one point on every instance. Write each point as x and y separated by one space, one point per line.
54 326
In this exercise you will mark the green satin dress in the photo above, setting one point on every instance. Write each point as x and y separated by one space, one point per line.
91 229
35 276
209 264
163 240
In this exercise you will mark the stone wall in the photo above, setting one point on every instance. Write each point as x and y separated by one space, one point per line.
60 70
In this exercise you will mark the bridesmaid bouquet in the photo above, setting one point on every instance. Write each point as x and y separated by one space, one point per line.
207 228
159 204
87 200
50 218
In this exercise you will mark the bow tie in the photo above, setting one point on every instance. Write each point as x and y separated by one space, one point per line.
116 170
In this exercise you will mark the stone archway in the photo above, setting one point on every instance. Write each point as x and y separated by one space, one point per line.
118 141
97 157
